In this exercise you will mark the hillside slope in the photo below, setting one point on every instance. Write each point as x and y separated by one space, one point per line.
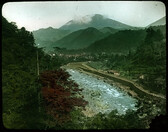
79 39
161 21
119 42
45 37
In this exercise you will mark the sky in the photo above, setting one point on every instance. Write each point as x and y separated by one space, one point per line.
36 15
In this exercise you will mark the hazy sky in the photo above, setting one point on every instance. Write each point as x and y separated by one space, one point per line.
35 15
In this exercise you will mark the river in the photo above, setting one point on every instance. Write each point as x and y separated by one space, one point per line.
101 96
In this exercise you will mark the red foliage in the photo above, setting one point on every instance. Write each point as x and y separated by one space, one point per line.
57 91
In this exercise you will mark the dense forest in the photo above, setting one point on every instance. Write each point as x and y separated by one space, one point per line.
25 97
37 94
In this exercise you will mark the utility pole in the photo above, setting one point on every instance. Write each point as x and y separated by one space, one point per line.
38 78
37 64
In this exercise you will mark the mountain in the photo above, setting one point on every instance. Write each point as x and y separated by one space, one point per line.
108 30
122 41
97 21
79 39
161 21
47 36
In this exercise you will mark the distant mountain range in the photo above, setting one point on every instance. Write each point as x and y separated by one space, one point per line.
95 32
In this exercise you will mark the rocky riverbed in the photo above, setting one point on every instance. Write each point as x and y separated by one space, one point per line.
102 96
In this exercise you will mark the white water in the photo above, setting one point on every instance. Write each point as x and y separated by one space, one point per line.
102 97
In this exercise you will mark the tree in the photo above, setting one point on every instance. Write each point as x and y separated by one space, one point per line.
60 94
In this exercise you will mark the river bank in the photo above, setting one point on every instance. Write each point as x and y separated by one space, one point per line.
102 96
148 104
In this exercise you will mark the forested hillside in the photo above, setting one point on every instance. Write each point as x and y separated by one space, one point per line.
24 107
119 42
147 64
46 37
19 83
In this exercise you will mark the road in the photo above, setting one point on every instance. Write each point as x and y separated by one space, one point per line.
82 66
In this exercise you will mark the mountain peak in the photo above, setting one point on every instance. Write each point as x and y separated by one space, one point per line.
98 16
97 21
80 20
50 28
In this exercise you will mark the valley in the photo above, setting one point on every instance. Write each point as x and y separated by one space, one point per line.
113 68
84 69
